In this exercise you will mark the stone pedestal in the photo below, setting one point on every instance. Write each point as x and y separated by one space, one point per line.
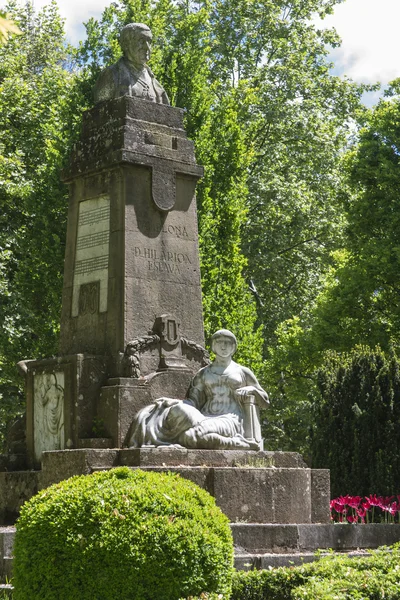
122 398
132 241
131 324
248 486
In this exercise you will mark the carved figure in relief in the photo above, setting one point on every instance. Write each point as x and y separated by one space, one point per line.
50 394
130 75
220 412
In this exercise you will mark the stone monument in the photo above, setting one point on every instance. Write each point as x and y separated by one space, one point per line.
132 384
131 324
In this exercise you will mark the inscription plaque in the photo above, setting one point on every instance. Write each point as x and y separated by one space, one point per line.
91 258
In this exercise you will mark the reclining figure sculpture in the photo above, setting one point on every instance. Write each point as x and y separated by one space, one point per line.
220 412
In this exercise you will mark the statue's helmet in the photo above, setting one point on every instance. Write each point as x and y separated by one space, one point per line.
224 333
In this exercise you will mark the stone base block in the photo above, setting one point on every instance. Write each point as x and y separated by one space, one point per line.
61 396
281 491
269 494
15 488
169 456
60 465
255 538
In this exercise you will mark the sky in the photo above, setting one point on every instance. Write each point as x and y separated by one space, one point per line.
369 29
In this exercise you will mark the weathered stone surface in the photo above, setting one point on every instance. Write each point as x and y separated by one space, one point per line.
264 495
259 538
320 495
59 465
168 455
99 443
15 488
245 494
202 476
127 260
61 402
255 538
343 536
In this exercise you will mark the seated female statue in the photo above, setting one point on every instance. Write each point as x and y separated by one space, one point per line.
213 416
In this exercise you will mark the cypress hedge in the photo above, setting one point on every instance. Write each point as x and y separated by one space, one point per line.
356 432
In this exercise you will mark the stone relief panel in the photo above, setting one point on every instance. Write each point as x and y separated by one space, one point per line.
48 411
91 257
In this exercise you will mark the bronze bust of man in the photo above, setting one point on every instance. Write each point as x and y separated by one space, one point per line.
130 75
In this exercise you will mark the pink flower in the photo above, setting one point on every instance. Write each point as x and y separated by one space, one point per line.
352 519
373 500
338 504
353 501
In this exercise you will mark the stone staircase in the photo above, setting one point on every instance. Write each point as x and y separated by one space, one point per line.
260 546
278 507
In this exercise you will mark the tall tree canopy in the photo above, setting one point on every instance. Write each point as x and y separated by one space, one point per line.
359 298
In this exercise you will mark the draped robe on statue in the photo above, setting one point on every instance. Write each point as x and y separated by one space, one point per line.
211 416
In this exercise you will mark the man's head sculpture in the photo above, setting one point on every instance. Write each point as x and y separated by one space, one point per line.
130 75
135 41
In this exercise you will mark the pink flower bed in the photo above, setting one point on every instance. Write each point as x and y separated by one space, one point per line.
371 509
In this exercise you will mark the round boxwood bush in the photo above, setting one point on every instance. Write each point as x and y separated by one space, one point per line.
122 535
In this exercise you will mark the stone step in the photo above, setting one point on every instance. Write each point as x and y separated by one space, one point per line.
257 538
7 568
251 562
260 546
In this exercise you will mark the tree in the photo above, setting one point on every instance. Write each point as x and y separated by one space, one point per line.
357 419
268 121
358 298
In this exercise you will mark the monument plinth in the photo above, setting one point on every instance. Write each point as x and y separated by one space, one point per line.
132 241
131 324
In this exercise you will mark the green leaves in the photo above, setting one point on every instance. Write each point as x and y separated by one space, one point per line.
38 104
122 533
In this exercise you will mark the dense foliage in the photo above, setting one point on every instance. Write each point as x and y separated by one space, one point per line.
38 116
358 299
357 422
298 236
122 534
374 576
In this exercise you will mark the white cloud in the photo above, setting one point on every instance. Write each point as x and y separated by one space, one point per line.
76 12
370 39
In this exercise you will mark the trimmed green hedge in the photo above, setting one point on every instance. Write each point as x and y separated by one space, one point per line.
122 534
335 577
375 576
